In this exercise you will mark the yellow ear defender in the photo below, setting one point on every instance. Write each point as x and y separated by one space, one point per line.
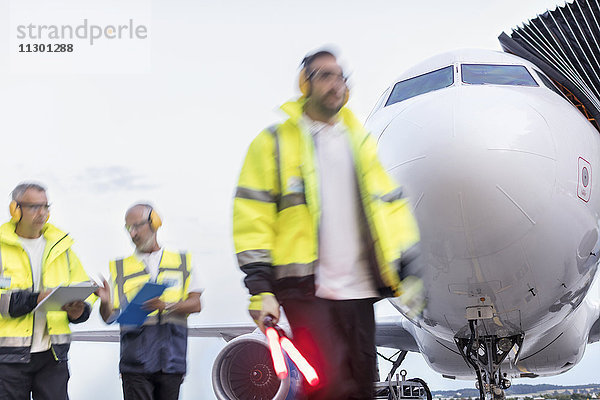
15 211
154 220
346 96
304 85
16 214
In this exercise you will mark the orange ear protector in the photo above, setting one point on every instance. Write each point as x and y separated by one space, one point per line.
304 85
154 220
16 214
15 211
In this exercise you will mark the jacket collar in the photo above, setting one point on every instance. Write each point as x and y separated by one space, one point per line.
295 108
52 234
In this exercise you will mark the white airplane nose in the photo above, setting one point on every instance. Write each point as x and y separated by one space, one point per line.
481 157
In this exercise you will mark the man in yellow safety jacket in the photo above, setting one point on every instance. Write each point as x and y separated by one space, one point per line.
34 257
153 356
320 228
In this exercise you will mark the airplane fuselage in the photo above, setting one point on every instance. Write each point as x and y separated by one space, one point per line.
503 179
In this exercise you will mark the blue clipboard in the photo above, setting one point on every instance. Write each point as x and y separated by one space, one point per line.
134 314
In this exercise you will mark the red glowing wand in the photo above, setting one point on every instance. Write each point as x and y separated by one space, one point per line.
277 340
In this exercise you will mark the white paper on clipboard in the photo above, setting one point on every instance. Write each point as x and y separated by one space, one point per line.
62 295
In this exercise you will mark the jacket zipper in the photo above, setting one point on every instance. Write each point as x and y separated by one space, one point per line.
375 268
41 286
43 263
54 245
33 291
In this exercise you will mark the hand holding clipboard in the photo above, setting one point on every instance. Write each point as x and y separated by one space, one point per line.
135 313
61 295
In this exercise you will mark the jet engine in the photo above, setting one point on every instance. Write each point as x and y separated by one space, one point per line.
243 370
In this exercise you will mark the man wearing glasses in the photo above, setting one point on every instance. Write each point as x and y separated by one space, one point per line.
321 229
153 356
34 257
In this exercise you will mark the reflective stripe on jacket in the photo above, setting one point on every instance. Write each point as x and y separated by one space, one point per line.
276 210
160 344
60 267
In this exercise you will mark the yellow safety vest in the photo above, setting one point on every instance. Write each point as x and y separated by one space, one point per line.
60 266
129 275
160 344
277 208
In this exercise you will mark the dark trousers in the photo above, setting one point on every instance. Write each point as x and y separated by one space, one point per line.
338 338
157 386
43 376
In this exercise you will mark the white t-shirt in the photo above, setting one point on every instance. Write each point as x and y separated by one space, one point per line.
343 270
35 251
152 262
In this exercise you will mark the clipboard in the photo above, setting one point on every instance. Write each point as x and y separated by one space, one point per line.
62 295
134 314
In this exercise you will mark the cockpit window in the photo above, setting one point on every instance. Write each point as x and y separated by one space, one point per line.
481 74
421 84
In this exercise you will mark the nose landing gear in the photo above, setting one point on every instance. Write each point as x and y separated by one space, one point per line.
484 346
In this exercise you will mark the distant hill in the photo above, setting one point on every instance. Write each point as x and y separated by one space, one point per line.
520 389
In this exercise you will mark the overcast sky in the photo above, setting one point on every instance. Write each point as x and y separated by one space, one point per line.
168 118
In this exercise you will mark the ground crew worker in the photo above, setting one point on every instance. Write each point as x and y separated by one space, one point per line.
153 356
320 228
35 256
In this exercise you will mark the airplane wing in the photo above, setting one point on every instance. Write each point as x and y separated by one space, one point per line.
594 335
106 335
224 331
391 333
595 332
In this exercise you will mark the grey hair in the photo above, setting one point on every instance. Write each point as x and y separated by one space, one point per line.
22 187
148 207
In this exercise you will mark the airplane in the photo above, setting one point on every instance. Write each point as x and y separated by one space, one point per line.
501 166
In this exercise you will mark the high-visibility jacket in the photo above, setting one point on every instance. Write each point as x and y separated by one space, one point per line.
276 211
60 267
160 344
